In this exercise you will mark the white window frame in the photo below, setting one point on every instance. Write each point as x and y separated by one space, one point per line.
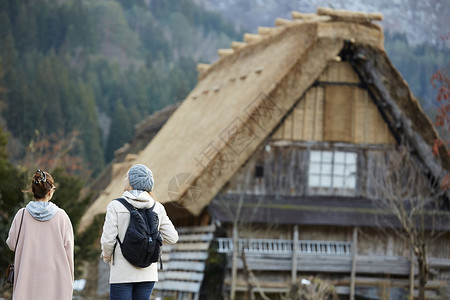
332 172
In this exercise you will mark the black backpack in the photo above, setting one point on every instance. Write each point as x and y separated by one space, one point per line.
142 243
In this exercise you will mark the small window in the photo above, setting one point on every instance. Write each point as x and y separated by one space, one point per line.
332 172
259 171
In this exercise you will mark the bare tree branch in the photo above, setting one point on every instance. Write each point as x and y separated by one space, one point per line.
401 187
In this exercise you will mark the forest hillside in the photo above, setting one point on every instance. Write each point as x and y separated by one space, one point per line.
97 68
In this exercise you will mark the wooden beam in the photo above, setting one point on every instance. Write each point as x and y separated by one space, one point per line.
251 37
180 275
181 286
265 30
282 22
350 16
393 282
203 246
205 237
296 15
202 67
224 52
191 266
237 45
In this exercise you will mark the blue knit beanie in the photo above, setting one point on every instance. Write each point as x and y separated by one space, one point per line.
141 178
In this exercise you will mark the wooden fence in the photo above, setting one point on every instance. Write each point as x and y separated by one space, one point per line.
184 264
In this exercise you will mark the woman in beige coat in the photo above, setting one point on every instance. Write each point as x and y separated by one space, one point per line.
126 280
44 253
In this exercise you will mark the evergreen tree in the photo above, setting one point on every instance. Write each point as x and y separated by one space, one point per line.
121 130
11 198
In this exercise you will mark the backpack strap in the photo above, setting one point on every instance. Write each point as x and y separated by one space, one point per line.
126 204
130 208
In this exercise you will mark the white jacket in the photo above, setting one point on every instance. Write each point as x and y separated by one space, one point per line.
116 223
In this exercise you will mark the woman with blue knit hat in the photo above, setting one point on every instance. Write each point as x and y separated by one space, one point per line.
126 280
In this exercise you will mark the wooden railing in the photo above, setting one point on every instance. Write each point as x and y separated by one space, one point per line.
276 246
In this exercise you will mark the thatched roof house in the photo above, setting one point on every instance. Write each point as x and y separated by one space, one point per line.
256 140
241 100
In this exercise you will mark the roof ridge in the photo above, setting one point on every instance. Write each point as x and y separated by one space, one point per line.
322 15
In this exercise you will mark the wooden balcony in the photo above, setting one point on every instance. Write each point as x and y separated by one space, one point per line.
312 256
332 259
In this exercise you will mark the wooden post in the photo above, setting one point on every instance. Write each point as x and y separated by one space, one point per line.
294 256
353 274
411 274
234 262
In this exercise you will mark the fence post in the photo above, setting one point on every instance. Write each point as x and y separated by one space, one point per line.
355 252
234 262
294 255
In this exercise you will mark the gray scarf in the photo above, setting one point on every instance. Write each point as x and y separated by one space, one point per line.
42 211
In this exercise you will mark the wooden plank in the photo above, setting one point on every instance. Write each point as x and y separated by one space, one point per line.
370 281
305 263
360 123
206 237
183 276
339 71
439 262
337 113
329 263
185 266
196 229
199 256
308 120
319 99
372 122
181 286
191 246
264 284
287 126
195 256
299 115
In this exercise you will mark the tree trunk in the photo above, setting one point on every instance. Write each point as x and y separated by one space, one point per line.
411 274
423 271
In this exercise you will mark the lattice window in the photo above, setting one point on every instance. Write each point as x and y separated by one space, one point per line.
332 172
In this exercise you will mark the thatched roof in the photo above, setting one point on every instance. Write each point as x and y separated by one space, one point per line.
241 98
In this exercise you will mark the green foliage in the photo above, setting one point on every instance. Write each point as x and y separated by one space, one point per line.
67 194
86 243
11 198
67 197
121 129
214 273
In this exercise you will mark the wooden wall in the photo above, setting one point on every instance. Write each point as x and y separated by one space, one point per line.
337 109
285 167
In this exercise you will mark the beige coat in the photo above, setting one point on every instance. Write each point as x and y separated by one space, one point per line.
44 257
116 223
